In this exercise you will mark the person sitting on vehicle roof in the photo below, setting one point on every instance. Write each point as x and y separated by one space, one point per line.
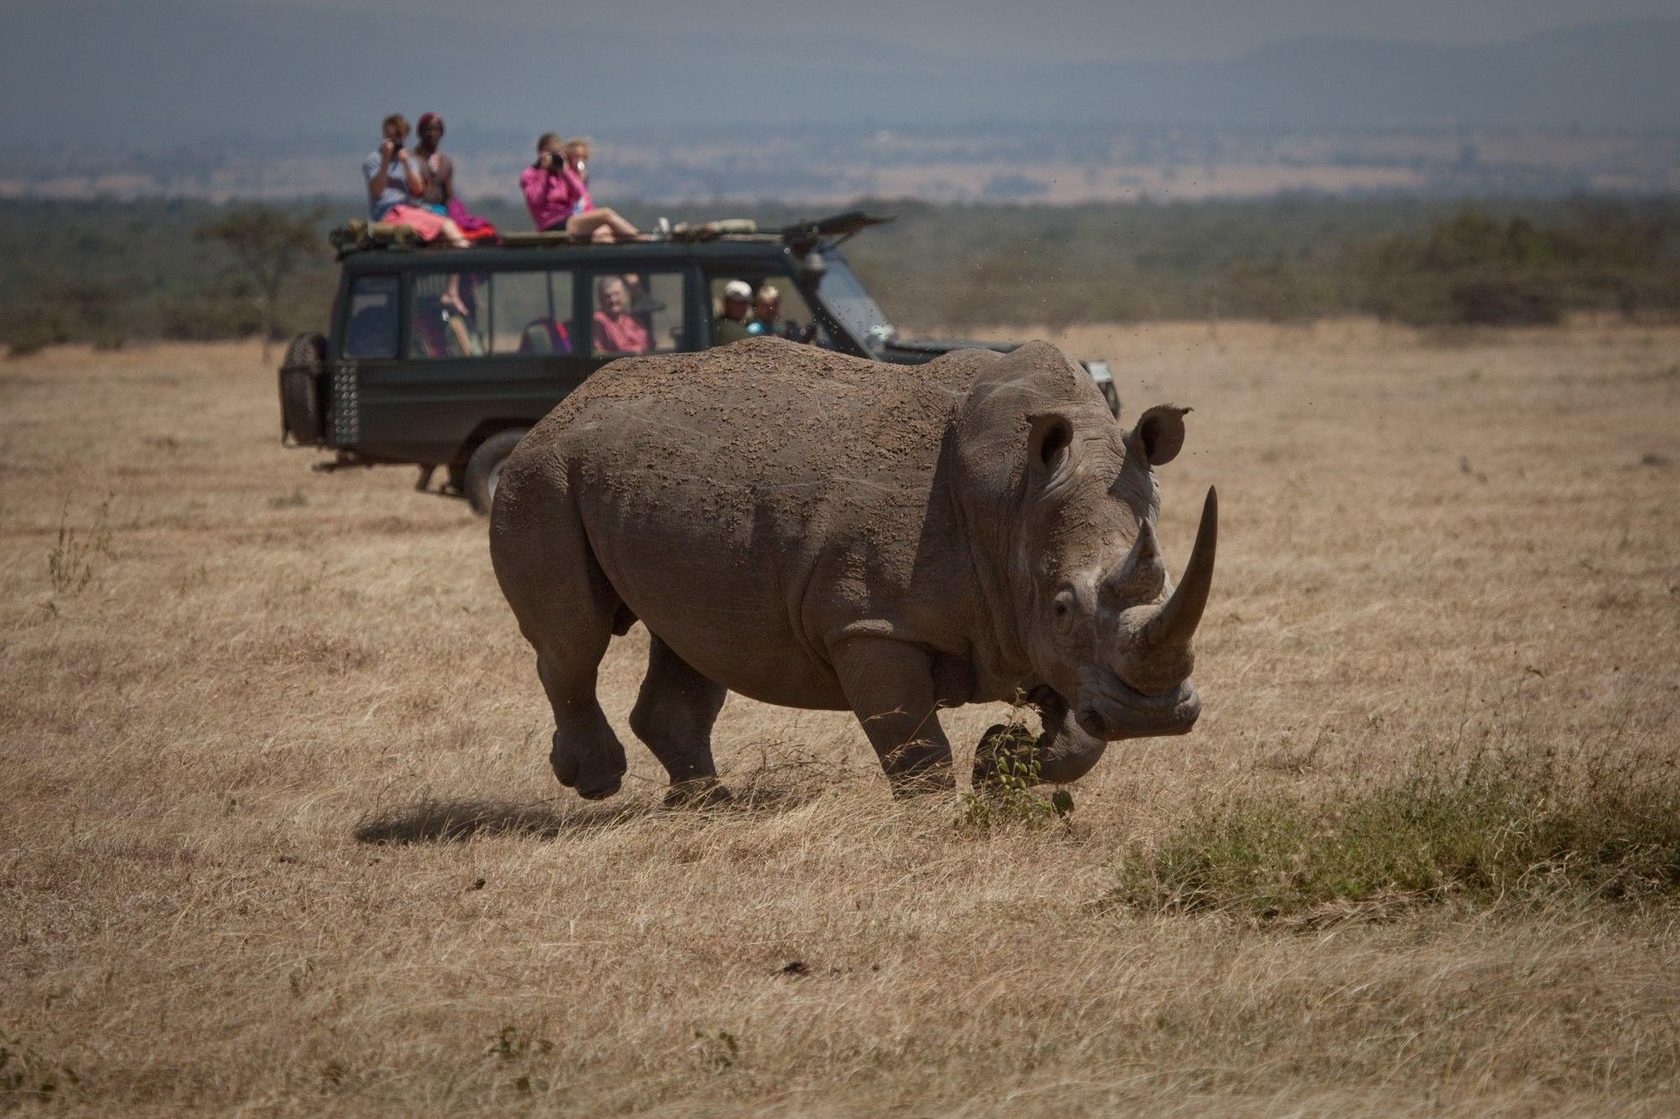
731 322
553 191
395 181
576 151
438 170
616 330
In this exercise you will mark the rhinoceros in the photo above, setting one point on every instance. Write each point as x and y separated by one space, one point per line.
819 531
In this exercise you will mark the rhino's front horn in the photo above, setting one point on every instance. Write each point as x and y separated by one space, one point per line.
1173 625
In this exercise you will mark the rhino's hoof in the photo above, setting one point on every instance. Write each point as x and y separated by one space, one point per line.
701 792
600 788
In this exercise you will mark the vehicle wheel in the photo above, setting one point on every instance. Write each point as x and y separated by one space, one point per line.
300 388
484 468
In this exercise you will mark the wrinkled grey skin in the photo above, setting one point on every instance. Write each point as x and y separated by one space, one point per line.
817 531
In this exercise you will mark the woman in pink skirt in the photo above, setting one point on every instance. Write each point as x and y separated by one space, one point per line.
395 181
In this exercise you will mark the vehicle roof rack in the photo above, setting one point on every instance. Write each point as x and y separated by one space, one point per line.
361 235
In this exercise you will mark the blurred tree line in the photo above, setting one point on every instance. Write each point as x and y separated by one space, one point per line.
181 269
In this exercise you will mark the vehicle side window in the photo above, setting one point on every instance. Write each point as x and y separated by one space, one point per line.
447 319
371 330
531 313
637 313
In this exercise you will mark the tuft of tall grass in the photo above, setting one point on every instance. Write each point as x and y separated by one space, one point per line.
1500 824
28 1077
72 560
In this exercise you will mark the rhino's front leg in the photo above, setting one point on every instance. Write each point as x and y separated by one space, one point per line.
1063 751
889 686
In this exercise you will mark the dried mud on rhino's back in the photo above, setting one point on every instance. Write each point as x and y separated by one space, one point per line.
768 399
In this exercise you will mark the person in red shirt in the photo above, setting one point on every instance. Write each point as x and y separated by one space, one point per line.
617 331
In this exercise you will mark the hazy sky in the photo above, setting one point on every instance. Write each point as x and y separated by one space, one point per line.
1048 29
145 74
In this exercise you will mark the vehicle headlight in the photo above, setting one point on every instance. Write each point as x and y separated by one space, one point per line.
1099 371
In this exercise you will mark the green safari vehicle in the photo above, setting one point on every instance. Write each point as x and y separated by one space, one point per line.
446 357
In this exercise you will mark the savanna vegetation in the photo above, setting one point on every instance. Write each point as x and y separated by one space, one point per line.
278 834
145 270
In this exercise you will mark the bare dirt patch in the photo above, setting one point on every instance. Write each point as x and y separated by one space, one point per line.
278 832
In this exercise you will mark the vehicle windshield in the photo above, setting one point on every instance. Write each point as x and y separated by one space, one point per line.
848 301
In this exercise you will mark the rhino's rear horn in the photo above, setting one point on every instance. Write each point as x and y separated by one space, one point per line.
1140 575
1173 626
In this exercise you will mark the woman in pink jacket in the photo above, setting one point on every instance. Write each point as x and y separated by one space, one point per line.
554 193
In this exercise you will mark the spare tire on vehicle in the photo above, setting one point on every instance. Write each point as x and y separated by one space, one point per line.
300 389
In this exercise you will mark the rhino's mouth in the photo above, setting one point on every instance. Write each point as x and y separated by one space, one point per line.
1108 708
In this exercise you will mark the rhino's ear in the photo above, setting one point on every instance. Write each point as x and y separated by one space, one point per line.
1160 432
1048 441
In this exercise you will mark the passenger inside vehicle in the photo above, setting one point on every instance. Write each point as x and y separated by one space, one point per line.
767 308
616 330
730 325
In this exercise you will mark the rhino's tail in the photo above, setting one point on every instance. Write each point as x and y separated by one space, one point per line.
548 572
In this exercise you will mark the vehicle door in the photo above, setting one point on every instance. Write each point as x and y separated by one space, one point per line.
367 342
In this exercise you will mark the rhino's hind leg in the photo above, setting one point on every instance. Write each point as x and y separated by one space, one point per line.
587 755
567 610
889 686
674 714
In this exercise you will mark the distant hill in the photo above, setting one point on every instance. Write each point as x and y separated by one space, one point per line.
100 73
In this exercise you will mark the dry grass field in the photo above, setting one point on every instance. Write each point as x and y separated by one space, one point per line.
278 834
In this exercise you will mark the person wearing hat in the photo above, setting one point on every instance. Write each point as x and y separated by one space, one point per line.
731 324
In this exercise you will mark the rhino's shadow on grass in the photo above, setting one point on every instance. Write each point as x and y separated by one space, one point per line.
452 820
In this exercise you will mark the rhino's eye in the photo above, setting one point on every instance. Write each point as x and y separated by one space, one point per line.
1062 607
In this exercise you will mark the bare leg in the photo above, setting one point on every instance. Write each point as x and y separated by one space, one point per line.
889 686
585 225
452 233
674 714
452 294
